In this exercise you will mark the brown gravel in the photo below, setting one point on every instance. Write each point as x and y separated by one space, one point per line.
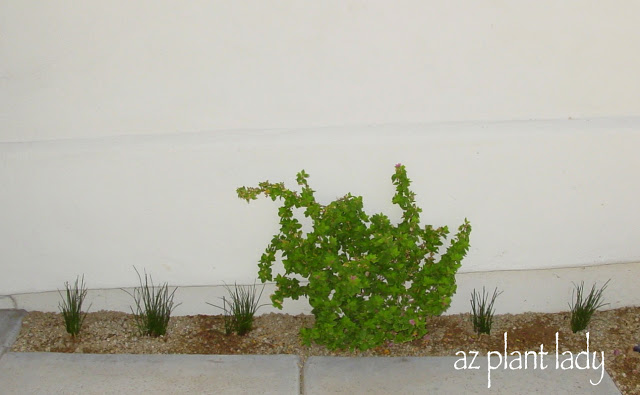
105 332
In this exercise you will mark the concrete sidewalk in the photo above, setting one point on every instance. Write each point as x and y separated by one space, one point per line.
10 323
437 375
54 373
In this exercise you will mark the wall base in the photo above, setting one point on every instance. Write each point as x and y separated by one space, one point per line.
547 290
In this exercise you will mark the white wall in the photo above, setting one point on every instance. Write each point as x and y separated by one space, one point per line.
98 68
538 195
125 128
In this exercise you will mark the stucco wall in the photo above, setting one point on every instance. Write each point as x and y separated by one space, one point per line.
538 194
85 69
125 128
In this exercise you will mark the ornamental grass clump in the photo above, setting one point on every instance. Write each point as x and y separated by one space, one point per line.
482 310
369 281
240 308
153 306
71 306
582 308
228 317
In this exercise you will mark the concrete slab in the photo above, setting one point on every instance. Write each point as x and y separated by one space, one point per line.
55 373
437 375
7 302
10 323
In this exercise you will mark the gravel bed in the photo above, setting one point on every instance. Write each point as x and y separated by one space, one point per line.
614 332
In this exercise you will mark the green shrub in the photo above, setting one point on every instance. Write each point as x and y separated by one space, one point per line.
240 308
153 306
71 306
482 311
583 308
369 281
